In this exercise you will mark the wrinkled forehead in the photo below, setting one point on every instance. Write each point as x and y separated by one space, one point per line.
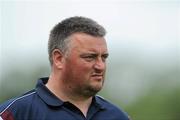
87 42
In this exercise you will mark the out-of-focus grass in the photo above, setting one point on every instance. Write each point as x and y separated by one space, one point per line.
162 102
157 105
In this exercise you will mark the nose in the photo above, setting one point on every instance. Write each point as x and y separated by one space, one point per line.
100 65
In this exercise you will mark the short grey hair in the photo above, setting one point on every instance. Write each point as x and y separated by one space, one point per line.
59 34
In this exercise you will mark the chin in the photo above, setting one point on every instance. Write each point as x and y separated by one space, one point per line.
92 90
97 88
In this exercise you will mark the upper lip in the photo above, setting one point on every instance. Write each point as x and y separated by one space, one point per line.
97 75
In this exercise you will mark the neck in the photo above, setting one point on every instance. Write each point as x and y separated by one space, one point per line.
58 89
83 105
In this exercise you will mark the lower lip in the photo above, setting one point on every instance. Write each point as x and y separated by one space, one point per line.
97 77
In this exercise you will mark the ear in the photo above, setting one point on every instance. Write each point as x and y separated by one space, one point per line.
58 58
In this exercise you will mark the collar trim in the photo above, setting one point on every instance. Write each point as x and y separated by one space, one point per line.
46 95
50 99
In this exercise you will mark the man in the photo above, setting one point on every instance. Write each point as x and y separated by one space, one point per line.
77 53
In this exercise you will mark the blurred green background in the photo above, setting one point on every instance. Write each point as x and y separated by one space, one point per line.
143 76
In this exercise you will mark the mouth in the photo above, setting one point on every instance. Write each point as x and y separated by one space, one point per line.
97 76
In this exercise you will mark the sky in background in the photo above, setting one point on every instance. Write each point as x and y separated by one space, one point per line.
139 32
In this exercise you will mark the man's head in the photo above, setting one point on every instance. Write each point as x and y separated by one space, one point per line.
58 38
78 52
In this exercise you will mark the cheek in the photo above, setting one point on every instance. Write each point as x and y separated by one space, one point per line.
78 74
82 65
78 67
83 69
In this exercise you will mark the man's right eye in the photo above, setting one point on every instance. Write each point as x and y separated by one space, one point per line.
89 58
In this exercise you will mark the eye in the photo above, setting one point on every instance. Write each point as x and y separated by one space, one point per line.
104 57
89 57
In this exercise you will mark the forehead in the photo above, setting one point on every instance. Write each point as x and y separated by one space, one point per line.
82 41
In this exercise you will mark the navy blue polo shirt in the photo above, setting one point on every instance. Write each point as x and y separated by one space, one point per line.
42 104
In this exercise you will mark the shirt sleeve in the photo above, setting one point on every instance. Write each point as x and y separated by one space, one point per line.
6 115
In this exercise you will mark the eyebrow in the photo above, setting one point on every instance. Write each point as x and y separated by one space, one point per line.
94 54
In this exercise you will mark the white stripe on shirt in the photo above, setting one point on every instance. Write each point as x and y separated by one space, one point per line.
1 118
15 101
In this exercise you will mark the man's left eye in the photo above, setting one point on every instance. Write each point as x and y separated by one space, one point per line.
104 57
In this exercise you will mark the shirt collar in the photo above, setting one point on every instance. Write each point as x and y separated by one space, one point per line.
98 101
45 94
49 98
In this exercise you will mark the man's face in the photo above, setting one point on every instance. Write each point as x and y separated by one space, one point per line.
85 64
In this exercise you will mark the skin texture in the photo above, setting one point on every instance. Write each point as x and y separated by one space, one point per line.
84 67
79 74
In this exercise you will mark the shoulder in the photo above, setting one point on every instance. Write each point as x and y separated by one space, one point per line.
111 108
17 104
